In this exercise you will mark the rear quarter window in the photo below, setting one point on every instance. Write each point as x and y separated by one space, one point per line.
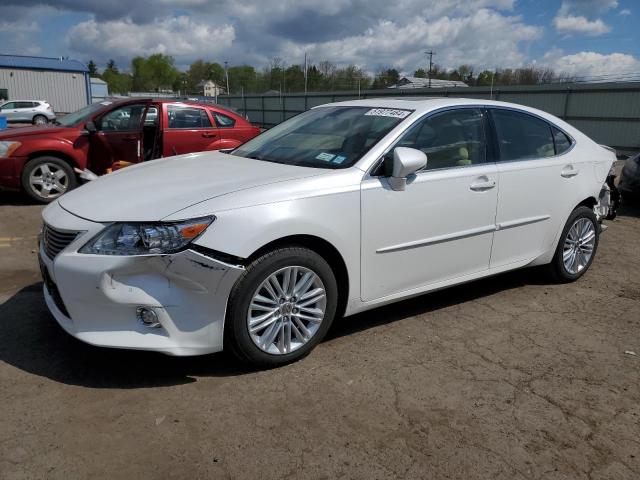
561 140
223 121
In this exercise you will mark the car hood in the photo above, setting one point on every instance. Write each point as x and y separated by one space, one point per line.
156 189
48 130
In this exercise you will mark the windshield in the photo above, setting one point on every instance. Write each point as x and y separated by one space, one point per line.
81 115
324 137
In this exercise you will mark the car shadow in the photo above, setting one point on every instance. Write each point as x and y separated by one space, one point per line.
31 340
11 198
629 209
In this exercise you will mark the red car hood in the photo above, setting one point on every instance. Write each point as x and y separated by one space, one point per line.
43 130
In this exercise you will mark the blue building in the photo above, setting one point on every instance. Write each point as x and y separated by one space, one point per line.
62 82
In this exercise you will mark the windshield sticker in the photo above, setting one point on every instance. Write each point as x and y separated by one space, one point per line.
327 157
388 112
339 159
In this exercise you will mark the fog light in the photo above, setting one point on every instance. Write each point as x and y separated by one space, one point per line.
147 317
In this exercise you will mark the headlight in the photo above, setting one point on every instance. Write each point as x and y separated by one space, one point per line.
7 148
146 238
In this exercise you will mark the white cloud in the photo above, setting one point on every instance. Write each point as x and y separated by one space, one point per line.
483 39
587 7
592 64
179 36
570 24
624 12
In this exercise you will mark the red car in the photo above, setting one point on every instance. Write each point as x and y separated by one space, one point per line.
41 160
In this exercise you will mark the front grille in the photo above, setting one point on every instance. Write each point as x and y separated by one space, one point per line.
54 241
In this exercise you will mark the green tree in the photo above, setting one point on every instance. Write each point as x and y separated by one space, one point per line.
386 77
154 73
116 81
420 73
93 69
485 78
242 78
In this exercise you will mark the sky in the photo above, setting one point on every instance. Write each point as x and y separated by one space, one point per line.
578 37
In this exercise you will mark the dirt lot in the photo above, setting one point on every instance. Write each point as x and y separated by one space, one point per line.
508 378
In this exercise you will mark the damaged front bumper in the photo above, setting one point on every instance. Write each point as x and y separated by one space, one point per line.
97 298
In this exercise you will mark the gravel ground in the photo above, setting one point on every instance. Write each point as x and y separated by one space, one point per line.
505 378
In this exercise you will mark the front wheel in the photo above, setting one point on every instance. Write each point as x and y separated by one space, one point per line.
281 307
46 178
577 246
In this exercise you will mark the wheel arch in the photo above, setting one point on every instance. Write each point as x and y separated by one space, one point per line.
589 202
323 248
53 153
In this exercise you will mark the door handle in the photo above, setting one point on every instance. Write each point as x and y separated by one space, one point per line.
482 184
208 135
130 138
569 171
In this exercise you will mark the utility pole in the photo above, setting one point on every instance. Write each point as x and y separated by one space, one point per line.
226 74
305 73
431 53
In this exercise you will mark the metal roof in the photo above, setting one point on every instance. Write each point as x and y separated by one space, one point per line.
416 82
42 63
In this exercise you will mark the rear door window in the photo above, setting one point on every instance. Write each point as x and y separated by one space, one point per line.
188 117
9 106
522 136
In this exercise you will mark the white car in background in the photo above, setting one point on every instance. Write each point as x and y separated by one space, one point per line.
338 210
38 112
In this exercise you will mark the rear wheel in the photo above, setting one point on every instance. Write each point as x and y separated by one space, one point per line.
281 308
577 246
46 178
40 120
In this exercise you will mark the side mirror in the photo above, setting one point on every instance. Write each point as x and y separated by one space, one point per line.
90 127
405 162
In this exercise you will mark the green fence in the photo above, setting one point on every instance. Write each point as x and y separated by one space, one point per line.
607 112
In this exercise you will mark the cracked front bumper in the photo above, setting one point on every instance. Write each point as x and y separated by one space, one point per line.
95 297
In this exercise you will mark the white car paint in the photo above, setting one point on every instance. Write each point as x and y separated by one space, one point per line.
439 231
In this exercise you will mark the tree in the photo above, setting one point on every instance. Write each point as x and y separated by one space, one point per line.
93 69
485 78
420 73
242 79
154 73
386 77
116 81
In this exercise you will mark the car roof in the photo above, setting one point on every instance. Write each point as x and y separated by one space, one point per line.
425 104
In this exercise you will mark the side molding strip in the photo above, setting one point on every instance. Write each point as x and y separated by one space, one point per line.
439 239
464 234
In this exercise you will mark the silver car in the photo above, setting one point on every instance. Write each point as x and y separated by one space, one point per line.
38 112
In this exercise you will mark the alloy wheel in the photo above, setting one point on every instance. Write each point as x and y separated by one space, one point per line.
48 180
286 310
579 245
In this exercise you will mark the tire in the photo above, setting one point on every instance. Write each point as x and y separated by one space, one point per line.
40 120
581 227
287 318
46 178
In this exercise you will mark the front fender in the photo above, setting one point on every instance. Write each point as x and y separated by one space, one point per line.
334 218
74 151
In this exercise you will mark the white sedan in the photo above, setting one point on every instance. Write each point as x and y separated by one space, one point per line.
341 209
